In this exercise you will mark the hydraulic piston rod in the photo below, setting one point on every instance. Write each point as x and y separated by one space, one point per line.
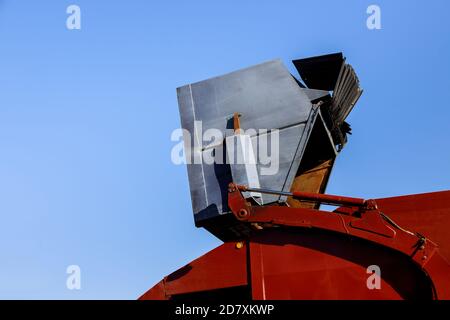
316 197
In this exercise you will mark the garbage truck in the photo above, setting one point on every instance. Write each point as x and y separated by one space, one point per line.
260 144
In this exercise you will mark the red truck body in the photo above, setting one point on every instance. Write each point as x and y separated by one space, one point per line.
296 253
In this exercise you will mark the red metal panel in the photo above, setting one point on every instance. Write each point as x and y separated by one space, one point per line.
223 267
257 271
310 265
421 254
311 254
370 226
155 293
428 214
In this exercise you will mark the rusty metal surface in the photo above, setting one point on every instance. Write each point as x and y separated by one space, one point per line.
312 180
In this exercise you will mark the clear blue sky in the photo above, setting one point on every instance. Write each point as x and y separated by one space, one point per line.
86 117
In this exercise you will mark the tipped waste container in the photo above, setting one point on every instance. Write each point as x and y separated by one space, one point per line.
265 128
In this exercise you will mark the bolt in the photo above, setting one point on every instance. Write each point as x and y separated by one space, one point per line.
243 213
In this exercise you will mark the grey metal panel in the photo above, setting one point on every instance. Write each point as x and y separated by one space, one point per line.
245 172
314 94
195 171
267 97
300 149
289 138
291 148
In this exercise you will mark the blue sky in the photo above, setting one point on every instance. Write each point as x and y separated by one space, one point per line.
86 116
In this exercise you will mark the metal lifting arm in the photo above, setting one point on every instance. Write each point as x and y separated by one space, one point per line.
370 224
316 197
